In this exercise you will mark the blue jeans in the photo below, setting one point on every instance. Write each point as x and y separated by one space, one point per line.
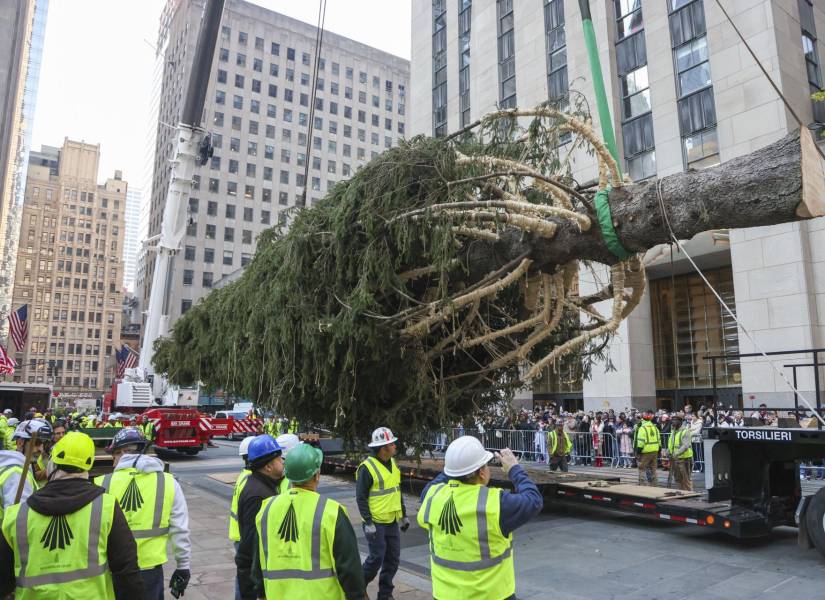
237 584
385 552
153 583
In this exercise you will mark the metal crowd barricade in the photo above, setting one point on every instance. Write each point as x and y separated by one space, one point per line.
528 446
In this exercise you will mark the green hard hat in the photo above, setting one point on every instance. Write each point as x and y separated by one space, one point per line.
302 462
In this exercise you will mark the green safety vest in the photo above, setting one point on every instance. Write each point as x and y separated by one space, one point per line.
469 555
296 532
293 426
385 493
283 486
146 500
552 441
234 528
676 440
648 438
5 473
53 551
149 431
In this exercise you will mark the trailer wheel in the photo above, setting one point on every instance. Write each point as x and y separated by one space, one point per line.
815 520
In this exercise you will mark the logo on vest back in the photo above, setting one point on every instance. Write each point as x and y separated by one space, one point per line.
288 531
58 534
449 520
132 499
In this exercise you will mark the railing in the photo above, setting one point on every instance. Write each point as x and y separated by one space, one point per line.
589 449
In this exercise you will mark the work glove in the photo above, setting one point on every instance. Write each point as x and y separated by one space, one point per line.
370 531
405 524
178 582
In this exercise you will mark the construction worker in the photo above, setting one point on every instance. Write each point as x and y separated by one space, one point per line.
293 426
240 482
267 466
647 443
471 526
559 447
287 442
308 547
4 422
378 494
148 429
155 510
12 463
8 441
680 452
51 546
58 431
50 417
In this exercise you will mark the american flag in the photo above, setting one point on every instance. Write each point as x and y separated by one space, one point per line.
126 359
19 326
7 363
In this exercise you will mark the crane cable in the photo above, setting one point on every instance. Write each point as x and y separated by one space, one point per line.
319 41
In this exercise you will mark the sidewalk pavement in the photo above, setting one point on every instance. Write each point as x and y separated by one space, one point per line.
213 556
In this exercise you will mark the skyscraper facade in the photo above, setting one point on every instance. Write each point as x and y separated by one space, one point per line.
70 270
684 93
22 31
131 237
259 111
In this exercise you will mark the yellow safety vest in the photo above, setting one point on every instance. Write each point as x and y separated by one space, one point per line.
676 440
296 532
146 500
5 473
283 486
469 555
385 493
149 431
61 556
552 440
648 438
234 528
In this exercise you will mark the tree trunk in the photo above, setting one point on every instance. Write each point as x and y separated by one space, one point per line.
779 183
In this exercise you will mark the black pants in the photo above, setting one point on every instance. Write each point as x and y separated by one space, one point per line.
385 552
153 583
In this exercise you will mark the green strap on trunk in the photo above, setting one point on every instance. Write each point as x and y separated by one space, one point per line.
601 199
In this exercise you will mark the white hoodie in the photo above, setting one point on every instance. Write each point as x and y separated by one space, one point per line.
12 458
179 517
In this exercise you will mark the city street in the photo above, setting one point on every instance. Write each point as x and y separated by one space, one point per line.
570 553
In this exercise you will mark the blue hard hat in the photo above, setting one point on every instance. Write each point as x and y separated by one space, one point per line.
261 449
128 436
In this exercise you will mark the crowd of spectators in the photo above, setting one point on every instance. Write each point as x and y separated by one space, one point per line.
606 438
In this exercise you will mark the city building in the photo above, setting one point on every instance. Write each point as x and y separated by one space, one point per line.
258 109
70 270
131 237
684 93
22 30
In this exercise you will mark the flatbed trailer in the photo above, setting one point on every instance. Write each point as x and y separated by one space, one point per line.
751 479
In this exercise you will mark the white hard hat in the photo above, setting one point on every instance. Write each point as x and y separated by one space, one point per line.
25 429
8 411
465 455
242 449
12 421
287 441
381 437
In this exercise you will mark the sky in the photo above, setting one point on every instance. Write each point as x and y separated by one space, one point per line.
98 63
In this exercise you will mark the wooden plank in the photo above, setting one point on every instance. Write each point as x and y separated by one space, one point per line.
627 489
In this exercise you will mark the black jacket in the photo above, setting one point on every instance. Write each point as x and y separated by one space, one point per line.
66 496
257 489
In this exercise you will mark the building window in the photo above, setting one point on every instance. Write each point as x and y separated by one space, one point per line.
439 69
557 82
188 274
637 116
506 54
809 49
209 255
207 279
185 305
701 328
697 113
464 24
227 258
